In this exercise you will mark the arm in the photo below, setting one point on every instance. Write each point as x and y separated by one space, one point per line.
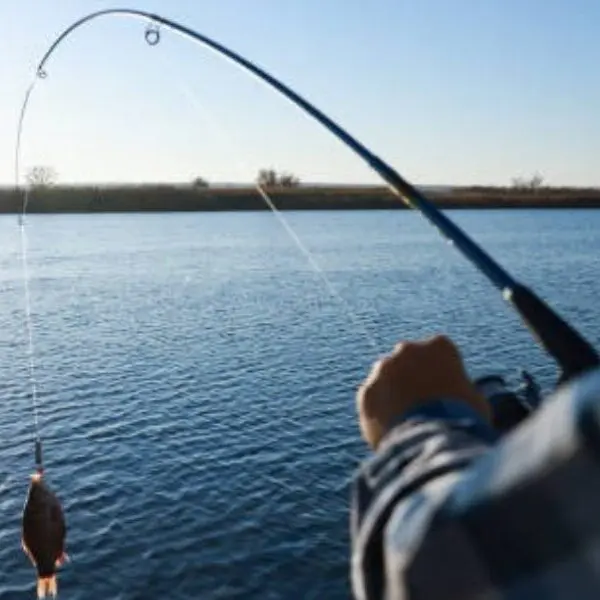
445 511
397 491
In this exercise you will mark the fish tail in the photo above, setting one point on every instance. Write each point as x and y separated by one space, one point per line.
61 560
46 586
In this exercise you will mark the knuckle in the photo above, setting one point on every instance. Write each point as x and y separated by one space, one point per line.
366 398
385 362
365 392
377 368
405 352
385 365
443 342
442 338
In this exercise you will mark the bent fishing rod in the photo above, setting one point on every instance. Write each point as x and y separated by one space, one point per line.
573 354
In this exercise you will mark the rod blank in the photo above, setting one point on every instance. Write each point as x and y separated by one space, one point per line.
569 349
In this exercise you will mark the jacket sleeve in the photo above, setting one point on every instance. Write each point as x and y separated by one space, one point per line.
446 511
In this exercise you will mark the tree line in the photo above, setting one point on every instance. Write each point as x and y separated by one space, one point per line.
45 176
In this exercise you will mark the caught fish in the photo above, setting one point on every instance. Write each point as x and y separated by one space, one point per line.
43 534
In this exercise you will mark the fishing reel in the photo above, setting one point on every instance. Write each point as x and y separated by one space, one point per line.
509 407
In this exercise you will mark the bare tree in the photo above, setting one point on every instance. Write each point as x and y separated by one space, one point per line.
267 178
271 178
200 183
536 182
533 183
288 180
41 176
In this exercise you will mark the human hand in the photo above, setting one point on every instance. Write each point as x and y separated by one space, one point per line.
413 374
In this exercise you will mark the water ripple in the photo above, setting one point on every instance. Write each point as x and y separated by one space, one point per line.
196 382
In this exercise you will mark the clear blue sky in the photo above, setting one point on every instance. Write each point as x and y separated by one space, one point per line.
449 91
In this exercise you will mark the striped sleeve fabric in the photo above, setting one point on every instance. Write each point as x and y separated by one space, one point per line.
445 510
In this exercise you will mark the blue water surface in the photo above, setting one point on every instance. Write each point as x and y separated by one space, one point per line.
196 380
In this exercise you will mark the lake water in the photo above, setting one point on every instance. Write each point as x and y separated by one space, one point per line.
197 378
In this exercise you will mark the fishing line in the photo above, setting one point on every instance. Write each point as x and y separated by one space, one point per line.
26 276
152 37
572 353
220 131
224 134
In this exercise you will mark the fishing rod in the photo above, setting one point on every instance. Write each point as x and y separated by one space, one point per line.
573 354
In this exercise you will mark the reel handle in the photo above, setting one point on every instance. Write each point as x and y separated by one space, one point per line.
509 407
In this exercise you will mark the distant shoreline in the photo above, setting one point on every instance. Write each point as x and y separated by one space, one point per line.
173 198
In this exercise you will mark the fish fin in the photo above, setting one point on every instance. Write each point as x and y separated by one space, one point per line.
62 559
46 586
27 552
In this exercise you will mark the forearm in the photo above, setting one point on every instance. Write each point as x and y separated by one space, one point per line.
416 466
442 513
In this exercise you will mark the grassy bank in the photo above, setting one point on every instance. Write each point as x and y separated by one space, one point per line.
76 199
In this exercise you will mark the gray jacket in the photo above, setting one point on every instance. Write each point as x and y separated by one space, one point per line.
446 510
